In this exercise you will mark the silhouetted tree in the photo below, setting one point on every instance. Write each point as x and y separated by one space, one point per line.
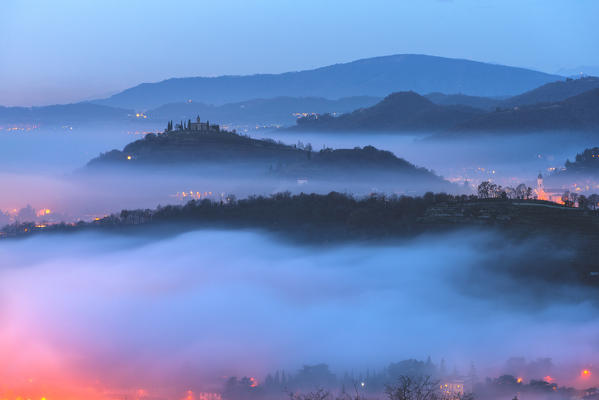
566 199
414 388
593 201
529 193
521 191
484 190
573 199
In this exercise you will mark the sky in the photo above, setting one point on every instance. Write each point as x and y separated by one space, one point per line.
68 50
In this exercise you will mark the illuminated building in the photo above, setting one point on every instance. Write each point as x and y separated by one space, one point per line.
554 195
453 389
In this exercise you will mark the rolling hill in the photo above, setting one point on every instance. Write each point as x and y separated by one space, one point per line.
553 92
224 153
579 112
547 93
402 111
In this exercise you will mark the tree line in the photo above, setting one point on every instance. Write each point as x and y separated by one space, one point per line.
489 190
333 216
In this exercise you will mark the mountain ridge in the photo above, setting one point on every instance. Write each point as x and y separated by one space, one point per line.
376 76
547 93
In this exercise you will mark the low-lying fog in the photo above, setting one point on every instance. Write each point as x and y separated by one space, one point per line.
38 168
106 315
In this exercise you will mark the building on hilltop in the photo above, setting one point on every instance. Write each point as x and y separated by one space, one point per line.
199 126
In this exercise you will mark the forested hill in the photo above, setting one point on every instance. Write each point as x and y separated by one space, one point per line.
402 111
230 151
377 76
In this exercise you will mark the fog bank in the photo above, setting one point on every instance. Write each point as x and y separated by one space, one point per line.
112 314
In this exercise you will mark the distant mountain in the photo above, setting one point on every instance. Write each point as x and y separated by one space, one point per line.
275 111
367 77
579 112
402 111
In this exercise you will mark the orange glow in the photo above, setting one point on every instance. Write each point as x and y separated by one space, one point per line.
208 396
189 396
43 211
254 382
519 380
542 195
585 373
128 157
548 379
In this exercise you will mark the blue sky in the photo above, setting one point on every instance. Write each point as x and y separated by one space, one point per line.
61 51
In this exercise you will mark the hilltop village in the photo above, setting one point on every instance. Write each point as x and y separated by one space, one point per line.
196 126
